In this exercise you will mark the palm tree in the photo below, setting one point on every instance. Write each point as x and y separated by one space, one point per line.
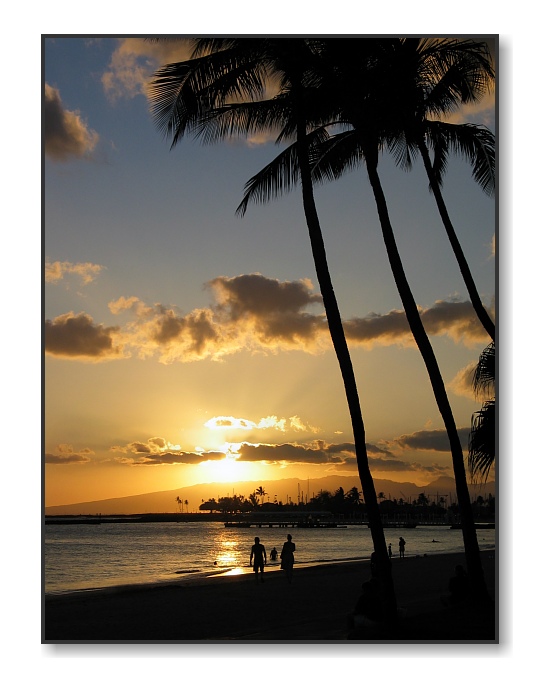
193 97
367 118
186 502
261 493
483 423
434 77
179 502
427 77
355 94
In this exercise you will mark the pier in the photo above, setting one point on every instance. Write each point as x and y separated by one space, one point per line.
285 524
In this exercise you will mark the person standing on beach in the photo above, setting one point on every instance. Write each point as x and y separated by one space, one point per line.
401 546
273 554
390 550
258 558
287 557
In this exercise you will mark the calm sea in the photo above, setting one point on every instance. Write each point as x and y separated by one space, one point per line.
85 556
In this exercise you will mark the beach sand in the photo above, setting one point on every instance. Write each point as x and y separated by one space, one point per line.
313 608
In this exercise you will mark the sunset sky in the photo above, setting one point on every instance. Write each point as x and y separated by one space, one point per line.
187 345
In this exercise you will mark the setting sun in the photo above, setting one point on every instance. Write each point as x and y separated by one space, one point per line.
226 470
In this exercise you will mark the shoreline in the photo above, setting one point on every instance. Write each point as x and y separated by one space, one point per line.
192 576
313 608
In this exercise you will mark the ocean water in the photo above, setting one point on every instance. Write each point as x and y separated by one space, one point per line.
80 557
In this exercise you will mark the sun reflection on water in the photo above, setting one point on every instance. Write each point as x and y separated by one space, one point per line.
228 554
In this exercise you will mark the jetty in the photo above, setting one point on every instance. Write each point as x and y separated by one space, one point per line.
285 524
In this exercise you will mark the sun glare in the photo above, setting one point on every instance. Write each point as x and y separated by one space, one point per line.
226 470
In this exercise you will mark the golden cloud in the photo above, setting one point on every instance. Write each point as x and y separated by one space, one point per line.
54 272
252 313
65 134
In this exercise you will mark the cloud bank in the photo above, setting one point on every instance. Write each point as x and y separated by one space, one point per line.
385 457
251 313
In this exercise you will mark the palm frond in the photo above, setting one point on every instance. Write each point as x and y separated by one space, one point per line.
482 441
455 72
275 179
242 119
335 156
182 92
484 374
475 143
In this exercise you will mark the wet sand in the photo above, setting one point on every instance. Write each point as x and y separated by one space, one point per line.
313 608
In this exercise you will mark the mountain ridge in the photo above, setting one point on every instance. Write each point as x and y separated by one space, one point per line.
294 489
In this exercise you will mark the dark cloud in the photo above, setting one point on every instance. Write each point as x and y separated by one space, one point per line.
431 440
316 452
66 455
76 336
260 296
65 134
180 458
65 458
456 319
332 456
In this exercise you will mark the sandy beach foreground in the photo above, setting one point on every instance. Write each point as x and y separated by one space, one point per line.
313 608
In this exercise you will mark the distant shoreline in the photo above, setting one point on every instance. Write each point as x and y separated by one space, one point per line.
254 519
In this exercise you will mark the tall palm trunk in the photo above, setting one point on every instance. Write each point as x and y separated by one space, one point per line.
478 306
472 551
347 372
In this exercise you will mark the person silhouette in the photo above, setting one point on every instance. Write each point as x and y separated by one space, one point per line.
258 557
390 550
273 554
287 557
401 546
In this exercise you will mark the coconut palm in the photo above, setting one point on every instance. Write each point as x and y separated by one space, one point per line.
261 493
429 78
483 424
354 88
194 97
434 77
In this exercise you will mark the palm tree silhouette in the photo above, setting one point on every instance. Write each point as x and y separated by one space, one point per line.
261 493
369 119
427 77
352 87
483 423
193 97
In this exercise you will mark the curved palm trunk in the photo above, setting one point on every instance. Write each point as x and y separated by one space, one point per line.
347 372
478 306
470 541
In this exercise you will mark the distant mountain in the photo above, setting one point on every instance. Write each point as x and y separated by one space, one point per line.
280 490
